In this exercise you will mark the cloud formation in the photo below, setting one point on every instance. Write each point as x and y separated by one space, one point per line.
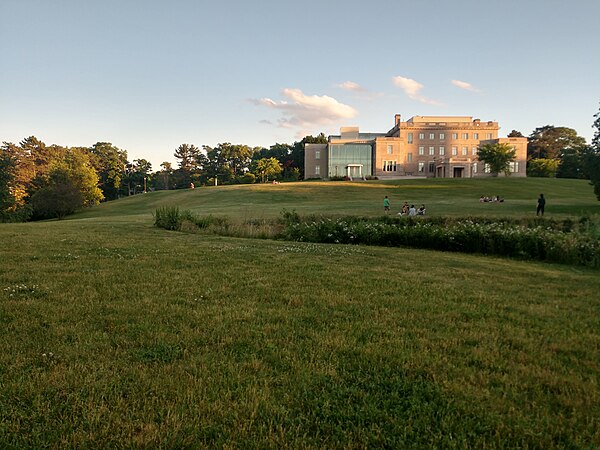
464 85
306 111
351 86
412 89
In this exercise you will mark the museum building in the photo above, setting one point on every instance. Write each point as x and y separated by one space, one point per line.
423 146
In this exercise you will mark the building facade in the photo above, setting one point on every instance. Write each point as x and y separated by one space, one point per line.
423 146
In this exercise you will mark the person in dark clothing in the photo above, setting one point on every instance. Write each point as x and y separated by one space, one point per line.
541 203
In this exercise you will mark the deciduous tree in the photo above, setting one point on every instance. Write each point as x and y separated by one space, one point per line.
542 167
592 158
498 156
71 183
550 142
267 167
109 162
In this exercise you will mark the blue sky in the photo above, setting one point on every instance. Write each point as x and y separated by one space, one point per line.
150 75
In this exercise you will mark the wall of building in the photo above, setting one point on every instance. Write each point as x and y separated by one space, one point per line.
315 161
426 146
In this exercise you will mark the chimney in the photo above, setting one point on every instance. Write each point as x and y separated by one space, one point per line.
397 119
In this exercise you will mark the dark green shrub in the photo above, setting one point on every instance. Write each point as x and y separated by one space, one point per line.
537 239
168 217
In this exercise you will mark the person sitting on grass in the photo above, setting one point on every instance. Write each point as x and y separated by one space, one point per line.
404 210
412 211
421 211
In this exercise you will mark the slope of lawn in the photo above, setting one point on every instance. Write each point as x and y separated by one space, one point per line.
118 334
458 197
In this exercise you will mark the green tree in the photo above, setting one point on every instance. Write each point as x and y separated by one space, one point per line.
8 202
497 156
572 162
162 179
81 173
267 167
71 184
297 153
515 133
109 163
190 165
550 142
57 199
543 167
592 157
226 161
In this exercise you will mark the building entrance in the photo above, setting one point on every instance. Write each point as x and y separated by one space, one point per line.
459 172
354 171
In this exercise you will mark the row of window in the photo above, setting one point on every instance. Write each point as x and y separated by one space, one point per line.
392 166
442 136
442 150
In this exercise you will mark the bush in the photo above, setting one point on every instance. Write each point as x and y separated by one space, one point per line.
555 241
248 178
56 201
169 218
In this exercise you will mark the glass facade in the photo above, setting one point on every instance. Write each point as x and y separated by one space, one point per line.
346 159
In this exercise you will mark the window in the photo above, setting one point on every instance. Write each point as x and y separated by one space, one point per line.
513 166
390 149
389 166
475 135
421 167
317 154
454 135
421 136
454 151
488 136
442 136
474 169
465 151
486 168
431 167
465 135
474 150
442 151
421 150
432 151
317 170
410 138
409 157
431 135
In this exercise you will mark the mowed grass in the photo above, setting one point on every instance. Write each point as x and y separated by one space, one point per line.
117 334
444 197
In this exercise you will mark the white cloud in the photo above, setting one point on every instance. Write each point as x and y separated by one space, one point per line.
464 85
412 89
304 112
351 86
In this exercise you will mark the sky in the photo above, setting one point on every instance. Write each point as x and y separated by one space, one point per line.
150 75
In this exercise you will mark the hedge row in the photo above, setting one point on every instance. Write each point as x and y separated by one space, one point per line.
563 242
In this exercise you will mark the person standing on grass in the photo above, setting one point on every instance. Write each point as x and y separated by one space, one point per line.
386 205
541 204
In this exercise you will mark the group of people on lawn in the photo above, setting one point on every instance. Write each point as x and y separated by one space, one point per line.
412 211
486 199
406 210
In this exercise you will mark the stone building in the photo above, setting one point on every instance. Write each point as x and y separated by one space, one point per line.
423 146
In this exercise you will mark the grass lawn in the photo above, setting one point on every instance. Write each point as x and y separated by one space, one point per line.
448 197
117 334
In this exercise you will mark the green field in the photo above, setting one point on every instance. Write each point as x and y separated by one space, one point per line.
117 334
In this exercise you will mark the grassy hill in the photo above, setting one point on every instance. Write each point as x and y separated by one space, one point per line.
118 334
441 196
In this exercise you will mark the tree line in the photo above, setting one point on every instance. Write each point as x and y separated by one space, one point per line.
560 152
39 181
